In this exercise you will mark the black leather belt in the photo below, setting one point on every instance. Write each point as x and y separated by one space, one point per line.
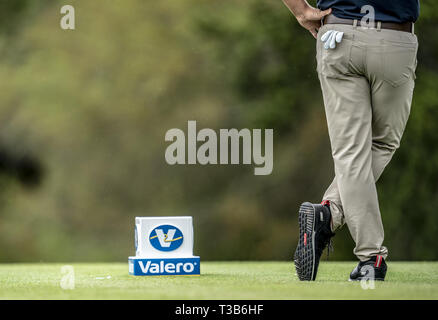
406 26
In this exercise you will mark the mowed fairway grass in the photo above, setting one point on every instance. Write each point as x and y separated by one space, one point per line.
219 280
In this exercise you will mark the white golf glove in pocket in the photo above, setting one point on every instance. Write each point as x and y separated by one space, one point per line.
330 38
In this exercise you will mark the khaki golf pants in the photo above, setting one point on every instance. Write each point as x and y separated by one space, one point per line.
367 83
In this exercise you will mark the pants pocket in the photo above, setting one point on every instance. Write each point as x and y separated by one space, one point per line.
334 63
399 62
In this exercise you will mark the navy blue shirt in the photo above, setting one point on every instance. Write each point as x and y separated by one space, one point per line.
386 10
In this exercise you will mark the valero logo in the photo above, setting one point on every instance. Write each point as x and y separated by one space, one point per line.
166 238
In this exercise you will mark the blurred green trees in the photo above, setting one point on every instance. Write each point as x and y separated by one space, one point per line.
95 104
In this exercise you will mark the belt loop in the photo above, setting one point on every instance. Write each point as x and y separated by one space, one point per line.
413 28
355 24
379 26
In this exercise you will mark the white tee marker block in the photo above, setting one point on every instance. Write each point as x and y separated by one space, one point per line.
164 246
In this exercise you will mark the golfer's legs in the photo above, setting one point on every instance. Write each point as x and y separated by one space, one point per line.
347 102
391 105
390 112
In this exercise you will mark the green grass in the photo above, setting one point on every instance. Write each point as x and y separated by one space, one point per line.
219 280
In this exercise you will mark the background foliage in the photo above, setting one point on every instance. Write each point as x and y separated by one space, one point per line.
94 105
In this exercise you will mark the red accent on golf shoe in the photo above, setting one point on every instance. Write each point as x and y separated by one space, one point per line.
326 203
305 239
378 262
